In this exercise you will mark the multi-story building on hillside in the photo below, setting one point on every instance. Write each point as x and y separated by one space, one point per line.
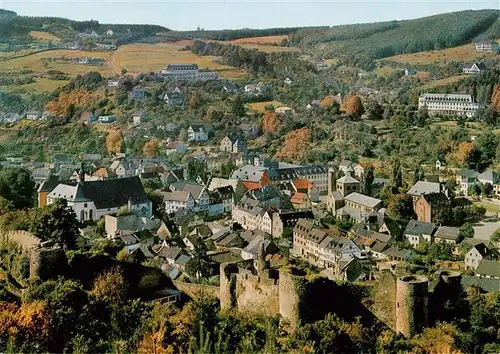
448 104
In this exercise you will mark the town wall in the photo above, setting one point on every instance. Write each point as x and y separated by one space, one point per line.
255 294
197 291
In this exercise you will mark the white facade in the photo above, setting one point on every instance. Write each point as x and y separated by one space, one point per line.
448 104
198 134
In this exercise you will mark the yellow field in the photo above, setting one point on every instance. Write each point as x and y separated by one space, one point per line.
261 106
385 71
44 36
463 53
41 85
269 48
154 57
333 61
445 81
35 63
260 40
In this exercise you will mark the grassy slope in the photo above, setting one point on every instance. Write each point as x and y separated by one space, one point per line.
44 36
154 57
464 53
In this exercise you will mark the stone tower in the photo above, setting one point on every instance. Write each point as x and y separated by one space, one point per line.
262 264
412 300
331 181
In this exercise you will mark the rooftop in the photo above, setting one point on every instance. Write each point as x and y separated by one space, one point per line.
362 199
423 188
419 228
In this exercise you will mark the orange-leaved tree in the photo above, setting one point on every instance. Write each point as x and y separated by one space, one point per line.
114 142
270 123
354 106
150 149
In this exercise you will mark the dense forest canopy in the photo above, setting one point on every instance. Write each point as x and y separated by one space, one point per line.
230 34
359 45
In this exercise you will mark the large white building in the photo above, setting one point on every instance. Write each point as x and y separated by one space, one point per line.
448 104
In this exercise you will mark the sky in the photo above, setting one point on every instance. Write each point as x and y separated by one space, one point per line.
190 14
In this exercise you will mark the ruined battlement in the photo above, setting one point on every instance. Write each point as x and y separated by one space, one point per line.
256 279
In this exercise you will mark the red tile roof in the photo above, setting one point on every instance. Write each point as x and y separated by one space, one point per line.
302 183
298 198
252 185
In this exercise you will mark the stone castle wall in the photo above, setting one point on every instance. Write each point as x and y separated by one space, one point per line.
412 301
256 294
197 291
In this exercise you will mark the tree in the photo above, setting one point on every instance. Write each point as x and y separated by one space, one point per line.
467 231
469 155
110 286
400 207
418 174
114 142
270 123
422 117
368 181
158 203
124 71
495 237
475 189
199 265
151 148
397 176
183 135
374 110
17 186
486 189
354 106
56 222
237 107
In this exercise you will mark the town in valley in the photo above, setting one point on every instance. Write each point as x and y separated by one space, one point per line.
308 190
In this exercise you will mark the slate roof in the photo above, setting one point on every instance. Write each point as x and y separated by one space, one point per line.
178 196
437 199
419 228
379 247
347 179
399 253
486 284
448 233
362 199
423 188
49 185
482 249
170 253
488 268
112 193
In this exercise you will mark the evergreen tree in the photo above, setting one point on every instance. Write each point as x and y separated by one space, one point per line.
368 181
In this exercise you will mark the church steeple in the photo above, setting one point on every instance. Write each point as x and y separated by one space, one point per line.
81 173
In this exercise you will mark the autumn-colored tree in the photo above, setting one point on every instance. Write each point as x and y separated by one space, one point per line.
66 103
110 286
468 154
441 339
194 100
354 106
270 123
150 149
327 101
295 144
28 323
114 142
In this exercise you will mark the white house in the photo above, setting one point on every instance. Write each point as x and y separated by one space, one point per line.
110 32
178 200
198 192
476 254
94 199
106 119
448 104
288 81
197 133
474 68
33 115
419 231
283 110
486 46
138 118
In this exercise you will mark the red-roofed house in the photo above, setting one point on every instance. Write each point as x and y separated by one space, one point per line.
300 201
251 186
305 186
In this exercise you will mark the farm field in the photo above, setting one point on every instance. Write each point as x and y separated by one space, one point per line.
445 81
260 40
44 36
35 62
462 53
261 106
41 85
154 57
385 71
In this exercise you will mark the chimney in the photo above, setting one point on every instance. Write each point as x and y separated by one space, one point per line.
129 205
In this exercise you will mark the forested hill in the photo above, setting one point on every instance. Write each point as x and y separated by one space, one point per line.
14 27
359 45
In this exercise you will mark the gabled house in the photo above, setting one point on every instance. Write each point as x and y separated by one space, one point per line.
410 72
198 192
475 255
138 118
33 115
288 81
465 180
175 98
234 145
487 46
448 234
197 133
106 119
94 199
123 168
175 147
488 269
113 83
177 200
138 93
474 68
347 185
417 231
